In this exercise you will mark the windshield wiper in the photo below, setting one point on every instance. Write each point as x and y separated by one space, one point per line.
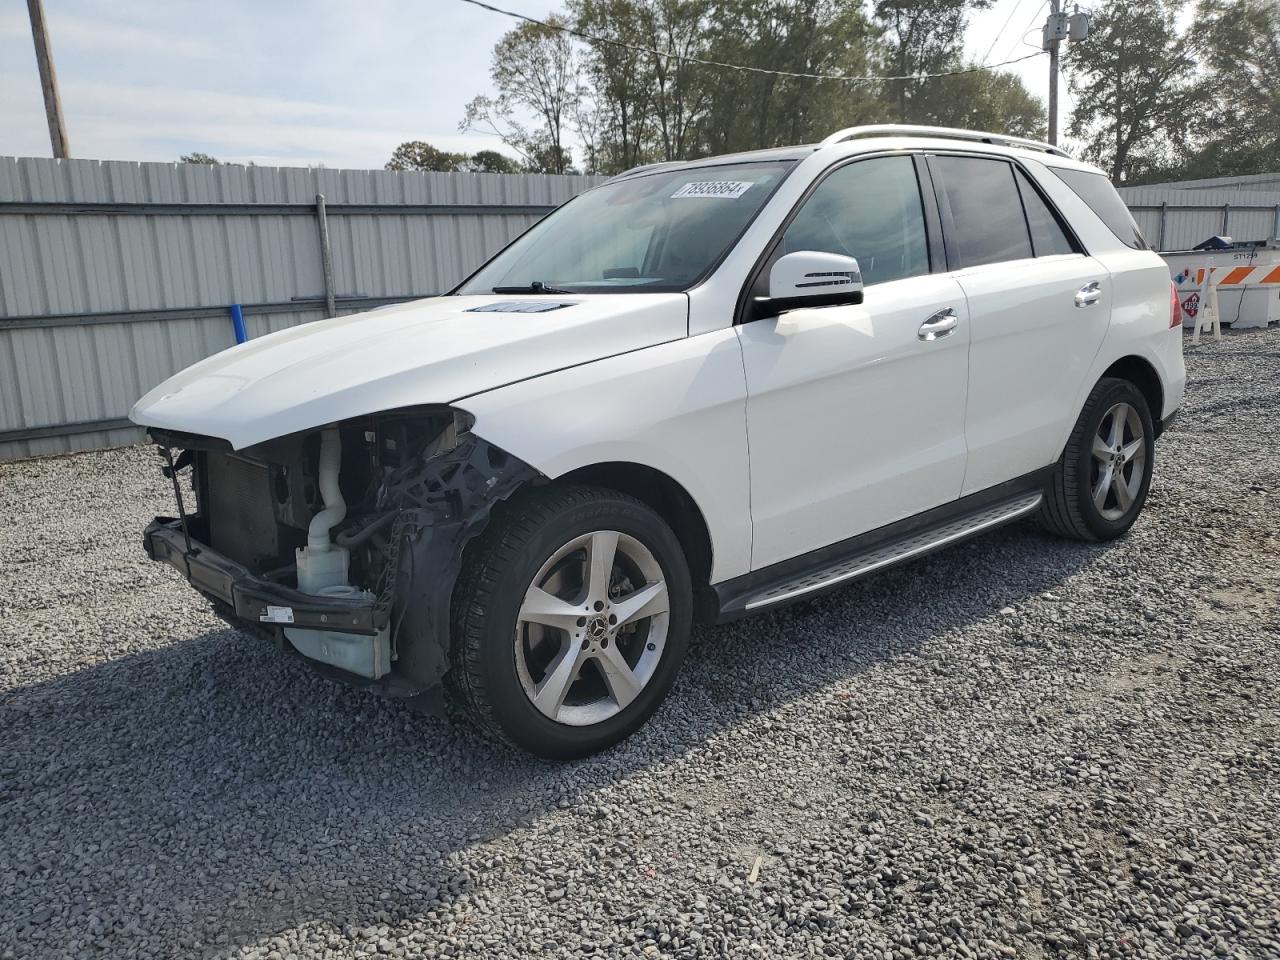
536 287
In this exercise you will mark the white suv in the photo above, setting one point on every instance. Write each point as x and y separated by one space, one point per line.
702 389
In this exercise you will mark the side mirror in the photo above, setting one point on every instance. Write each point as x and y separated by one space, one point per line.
808 278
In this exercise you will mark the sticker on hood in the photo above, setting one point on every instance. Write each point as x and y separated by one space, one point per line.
726 189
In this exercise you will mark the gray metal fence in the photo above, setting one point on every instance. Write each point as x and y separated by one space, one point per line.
114 275
1177 219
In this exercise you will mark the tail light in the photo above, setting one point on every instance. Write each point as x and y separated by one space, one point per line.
1175 308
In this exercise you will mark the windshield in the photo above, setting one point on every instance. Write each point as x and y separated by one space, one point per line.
659 232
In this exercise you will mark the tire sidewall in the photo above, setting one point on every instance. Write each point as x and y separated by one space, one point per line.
511 707
1111 393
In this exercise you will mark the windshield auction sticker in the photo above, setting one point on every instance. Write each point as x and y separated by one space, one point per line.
728 189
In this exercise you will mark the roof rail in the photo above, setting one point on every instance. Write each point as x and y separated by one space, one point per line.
647 167
943 133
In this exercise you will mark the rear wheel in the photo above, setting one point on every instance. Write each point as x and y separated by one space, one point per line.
1100 484
571 620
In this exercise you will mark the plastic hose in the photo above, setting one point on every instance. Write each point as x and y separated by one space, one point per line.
335 508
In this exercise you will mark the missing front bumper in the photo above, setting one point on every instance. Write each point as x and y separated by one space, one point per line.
252 598
441 498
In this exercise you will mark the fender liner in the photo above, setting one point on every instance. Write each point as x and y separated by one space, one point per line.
443 502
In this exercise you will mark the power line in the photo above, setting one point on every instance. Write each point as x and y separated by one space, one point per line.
590 38
999 33
1030 28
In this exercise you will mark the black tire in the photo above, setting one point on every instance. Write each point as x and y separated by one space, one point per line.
484 681
1069 509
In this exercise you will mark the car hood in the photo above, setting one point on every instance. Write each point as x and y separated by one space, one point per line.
426 351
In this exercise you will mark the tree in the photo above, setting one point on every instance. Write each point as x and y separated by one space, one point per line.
643 88
535 71
198 158
758 109
649 97
420 155
491 161
1135 87
588 125
1241 122
616 78
676 28
667 105
980 100
544 157
922 36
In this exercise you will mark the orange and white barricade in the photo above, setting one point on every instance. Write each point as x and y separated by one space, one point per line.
1200 284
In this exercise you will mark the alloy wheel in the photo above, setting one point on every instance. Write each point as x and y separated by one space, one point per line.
592 628
1118 461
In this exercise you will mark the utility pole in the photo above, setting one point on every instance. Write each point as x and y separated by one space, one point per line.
1058 27
1054 41
48 80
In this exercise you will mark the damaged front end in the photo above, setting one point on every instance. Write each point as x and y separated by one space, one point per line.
343 543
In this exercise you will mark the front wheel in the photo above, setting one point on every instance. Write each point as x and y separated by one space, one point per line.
1100 484
571 619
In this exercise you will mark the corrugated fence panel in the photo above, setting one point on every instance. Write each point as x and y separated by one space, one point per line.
1186 228
1251 224
1148 222
97 306
1193 215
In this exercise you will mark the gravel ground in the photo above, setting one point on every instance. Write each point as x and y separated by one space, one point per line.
1020 747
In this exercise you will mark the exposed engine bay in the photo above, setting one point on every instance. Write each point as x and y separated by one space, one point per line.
344 541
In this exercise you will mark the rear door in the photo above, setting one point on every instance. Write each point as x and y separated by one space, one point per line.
1039 308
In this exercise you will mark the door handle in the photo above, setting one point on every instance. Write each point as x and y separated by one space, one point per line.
939 325
1089 294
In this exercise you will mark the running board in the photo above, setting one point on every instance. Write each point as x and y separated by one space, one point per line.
896 551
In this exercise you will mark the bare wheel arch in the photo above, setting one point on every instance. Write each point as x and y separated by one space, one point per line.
666 497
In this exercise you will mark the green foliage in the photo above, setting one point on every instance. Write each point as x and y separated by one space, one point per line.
921 36
1157 104
640 98
617 81
1136 89
198 158
491 161
535 72
1238 130
753 110
982 100
420 155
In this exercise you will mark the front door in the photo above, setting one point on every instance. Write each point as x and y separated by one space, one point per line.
855 414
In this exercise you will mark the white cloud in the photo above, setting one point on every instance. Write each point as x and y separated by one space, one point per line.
69 33
292 82
113 121
14 23
77 32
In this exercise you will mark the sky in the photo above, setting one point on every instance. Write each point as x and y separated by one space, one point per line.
292 83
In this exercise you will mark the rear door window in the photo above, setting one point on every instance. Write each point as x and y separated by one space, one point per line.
1096 190
986 220
1048 236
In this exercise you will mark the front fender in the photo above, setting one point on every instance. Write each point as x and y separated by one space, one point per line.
679 408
